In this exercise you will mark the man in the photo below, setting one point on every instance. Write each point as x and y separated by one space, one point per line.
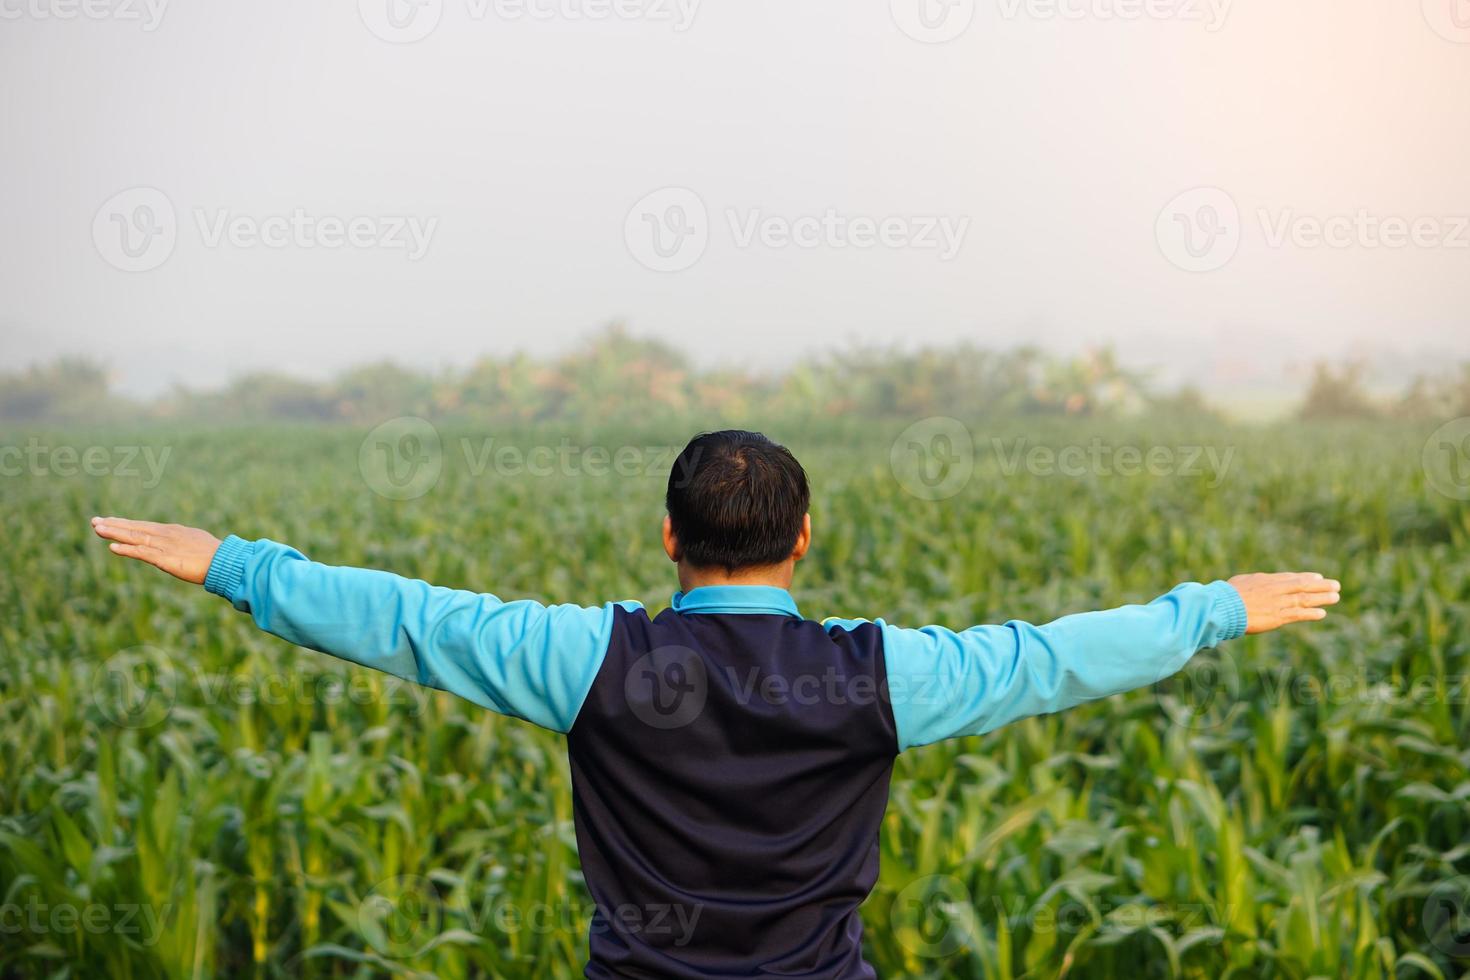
730 760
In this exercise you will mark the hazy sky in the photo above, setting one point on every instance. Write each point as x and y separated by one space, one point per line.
192 190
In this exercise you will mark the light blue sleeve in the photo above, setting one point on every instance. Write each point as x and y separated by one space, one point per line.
944 684
520 658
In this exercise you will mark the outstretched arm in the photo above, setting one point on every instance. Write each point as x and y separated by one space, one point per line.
518 658
944 684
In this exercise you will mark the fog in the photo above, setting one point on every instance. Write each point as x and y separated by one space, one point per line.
1223 191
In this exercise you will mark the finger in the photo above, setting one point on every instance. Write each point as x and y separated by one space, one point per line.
121 532
1320 584
150 555
1305 615
145 526
1309 600
1297 580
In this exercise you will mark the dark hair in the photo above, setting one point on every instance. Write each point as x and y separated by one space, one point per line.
736 499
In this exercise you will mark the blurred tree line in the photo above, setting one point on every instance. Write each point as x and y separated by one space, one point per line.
1341 392
617 377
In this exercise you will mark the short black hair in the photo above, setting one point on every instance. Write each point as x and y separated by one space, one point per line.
736 500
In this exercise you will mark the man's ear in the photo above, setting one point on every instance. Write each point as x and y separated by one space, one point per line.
803 539
671 543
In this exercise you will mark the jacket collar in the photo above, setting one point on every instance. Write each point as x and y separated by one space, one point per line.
752 599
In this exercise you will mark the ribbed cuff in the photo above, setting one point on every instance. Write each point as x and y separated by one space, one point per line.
1228 611
227 570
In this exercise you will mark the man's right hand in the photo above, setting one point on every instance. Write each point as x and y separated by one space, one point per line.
183 552
1274 599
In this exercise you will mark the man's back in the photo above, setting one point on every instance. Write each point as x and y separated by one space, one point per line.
730 760
730 769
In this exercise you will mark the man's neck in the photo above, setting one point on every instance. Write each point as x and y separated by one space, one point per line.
776 576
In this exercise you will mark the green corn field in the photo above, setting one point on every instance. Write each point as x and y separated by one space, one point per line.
182 796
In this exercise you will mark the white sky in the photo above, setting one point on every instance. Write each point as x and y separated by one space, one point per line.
1059 137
